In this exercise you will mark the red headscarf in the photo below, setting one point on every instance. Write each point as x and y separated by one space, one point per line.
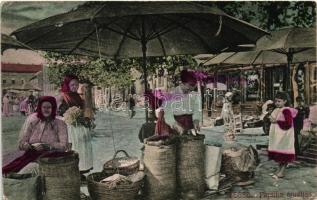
188 77
49 99
71 98
67 80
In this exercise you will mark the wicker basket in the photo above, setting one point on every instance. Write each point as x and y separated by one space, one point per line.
117 165
100 191
60 176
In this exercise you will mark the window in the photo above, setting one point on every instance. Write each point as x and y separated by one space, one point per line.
13 81
4 81
22 81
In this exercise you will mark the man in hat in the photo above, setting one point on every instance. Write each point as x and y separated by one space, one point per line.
183 106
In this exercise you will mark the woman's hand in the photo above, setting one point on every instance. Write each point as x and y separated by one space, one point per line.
27 146
40 147
272 120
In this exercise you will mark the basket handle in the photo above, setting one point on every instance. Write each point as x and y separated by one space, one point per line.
123 151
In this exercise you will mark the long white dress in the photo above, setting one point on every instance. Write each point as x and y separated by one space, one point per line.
80 137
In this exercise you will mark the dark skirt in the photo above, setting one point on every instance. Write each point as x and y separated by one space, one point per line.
281 157
185 121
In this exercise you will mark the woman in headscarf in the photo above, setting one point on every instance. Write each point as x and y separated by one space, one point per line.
69 96
79 135
42 132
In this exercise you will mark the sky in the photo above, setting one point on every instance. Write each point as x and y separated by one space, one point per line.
15 15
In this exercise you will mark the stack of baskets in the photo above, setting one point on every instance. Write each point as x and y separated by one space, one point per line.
123 165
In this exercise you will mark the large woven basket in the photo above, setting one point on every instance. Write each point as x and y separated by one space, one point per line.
190 169
126 165
100 191
60 176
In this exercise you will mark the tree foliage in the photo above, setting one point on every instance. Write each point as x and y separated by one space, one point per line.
272 15
106 72
109 72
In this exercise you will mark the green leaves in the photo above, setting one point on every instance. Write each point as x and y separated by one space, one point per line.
272 15
110 72
94 71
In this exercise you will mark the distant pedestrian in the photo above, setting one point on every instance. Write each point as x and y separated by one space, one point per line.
209 100
31 103
6 105
24 106
131 106
281 139
16 103
302 113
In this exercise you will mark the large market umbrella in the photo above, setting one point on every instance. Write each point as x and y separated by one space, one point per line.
285 46
293 45
289 42
139 29
257 58
8 42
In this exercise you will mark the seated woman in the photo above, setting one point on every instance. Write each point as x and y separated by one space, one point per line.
40 134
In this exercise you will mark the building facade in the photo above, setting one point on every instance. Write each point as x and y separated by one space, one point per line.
17 76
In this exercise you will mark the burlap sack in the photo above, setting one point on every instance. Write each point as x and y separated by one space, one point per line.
160 170
191 165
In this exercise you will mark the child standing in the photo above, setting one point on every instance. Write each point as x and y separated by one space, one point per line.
281 137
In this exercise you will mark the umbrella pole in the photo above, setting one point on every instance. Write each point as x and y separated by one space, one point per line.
289 86
145 75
